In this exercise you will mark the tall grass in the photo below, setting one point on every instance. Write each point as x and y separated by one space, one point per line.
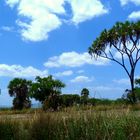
119 124
86 126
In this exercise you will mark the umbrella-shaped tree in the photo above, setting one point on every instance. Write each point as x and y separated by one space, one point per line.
121 45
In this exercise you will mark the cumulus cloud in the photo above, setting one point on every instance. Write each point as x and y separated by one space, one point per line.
74 59
124 2
12 3
42 17
81 79
19 71
134 15
39 17
64 73
86 9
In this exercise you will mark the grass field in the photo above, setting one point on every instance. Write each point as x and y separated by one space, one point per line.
75 123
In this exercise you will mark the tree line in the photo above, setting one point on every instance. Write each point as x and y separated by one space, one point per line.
47 91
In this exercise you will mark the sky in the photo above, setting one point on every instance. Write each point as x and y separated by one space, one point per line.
52 37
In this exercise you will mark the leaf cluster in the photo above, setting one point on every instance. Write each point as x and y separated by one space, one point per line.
120 33
42 88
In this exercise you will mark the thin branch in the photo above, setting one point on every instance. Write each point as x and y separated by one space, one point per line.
123 65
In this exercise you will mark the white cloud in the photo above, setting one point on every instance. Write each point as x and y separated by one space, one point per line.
134 15
64 73
124 2
37 18
86 9
123 81
117 55
7 28
81 79
74 59
19 71
12 3
42 17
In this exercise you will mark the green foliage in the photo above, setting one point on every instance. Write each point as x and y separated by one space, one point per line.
46 90
119 33
19 89
84 96
96 101
128 93
53 102
69 99
85 92
42 88
137 82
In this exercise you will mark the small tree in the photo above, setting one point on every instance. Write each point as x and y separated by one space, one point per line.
85 92
46 89
128 96
19 89
121 45
84 95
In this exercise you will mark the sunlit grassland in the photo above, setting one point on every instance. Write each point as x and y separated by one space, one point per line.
75 123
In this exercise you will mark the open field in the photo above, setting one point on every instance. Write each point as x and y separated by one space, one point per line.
84 123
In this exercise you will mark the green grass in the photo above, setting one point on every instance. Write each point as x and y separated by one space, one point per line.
83 123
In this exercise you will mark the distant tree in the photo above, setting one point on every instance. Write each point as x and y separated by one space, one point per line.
85 92
128 93
137 82
84 95
137 88
46 89
19 89
121 45
127 96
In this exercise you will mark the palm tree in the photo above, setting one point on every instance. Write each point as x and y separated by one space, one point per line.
19 89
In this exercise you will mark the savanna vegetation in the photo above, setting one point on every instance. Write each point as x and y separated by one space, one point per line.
78 116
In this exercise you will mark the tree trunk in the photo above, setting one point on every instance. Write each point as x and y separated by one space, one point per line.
132 85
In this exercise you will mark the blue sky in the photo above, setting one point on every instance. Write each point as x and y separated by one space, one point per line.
46 37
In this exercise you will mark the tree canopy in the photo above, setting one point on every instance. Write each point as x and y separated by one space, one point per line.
42 88
121 45
85 92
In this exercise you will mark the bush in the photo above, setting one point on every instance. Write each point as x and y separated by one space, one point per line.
69 99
